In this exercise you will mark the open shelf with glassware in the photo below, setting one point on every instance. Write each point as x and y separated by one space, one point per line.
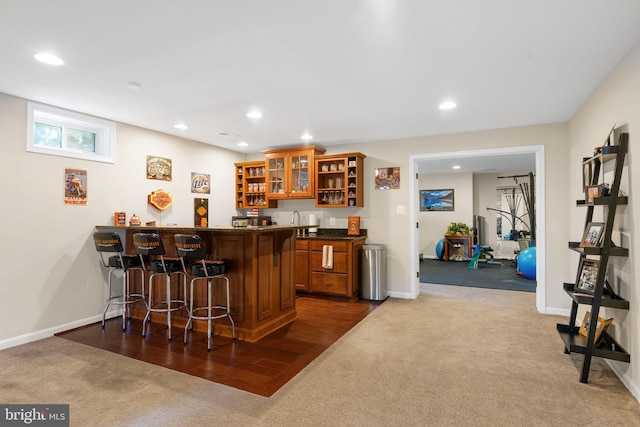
251 186
339 180
591 287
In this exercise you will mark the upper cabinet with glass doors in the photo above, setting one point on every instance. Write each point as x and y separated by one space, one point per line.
290 172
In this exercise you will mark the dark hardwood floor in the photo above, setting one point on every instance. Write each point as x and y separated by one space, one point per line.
261 367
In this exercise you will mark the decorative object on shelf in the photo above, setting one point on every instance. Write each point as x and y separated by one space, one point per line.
135 221
387 178
591 192
75 186
160 199
587 275
592 235
159 168
601 326
200 183
120 219
354 226
200 212
437 200
458 229
587 174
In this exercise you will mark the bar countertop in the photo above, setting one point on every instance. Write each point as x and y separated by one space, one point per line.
216 228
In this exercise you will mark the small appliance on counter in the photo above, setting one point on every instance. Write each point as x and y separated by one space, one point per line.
250 221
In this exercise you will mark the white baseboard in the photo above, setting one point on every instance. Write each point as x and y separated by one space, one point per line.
46 333
626 380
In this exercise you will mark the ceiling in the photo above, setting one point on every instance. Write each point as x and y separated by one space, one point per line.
345 71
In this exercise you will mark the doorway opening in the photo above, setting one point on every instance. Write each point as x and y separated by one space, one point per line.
420 163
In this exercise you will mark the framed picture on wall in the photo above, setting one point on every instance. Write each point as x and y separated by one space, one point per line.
437 200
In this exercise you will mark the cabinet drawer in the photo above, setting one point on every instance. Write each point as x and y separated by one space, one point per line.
302 244
339 262
329 283
316 245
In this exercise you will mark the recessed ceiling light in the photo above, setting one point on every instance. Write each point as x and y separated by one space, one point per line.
254 114
306 137
447 105
455 167
48 58
181 126
243 144
134 85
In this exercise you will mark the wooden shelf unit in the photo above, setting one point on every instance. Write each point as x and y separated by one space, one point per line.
251 186
603 295
340 180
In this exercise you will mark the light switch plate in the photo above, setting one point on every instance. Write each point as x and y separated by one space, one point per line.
332 221
400 210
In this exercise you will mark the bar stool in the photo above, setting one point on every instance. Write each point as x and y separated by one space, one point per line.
192 248
150 245
110 243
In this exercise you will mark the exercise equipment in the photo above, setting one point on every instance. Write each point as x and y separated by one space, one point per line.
440 249
484 255
526 263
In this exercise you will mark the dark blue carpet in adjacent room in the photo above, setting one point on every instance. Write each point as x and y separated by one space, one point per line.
485 276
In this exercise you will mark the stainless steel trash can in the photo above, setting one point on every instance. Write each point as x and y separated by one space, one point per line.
373 273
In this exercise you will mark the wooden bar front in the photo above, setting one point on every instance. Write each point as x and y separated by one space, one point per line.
261 275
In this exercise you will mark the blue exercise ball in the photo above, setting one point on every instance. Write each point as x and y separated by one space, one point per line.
440 249
527 262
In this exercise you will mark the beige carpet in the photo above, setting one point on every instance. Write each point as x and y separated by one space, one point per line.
454 357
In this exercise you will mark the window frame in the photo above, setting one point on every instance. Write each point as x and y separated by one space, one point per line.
104 130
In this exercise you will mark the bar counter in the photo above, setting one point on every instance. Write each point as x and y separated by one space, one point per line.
261 275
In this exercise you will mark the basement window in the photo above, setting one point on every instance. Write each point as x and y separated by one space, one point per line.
59 132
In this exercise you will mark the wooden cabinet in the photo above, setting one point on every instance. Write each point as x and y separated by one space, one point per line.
339 180
342 279
290 172
301 275
251 186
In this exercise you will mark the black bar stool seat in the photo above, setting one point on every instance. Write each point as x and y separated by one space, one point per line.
191 248
109 243
151 253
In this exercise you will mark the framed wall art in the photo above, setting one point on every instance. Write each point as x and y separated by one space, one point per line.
159 168
437 200
387 178
75 186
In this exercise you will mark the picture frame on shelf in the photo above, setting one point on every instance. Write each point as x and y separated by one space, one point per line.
601 326
591 192
587 171
587 276
592 235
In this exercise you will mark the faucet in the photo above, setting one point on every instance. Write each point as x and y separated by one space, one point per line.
293 219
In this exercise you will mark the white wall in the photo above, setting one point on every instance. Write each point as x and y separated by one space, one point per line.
616 101
51 277
433 224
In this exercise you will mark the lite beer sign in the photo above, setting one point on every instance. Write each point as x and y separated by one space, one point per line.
200 183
